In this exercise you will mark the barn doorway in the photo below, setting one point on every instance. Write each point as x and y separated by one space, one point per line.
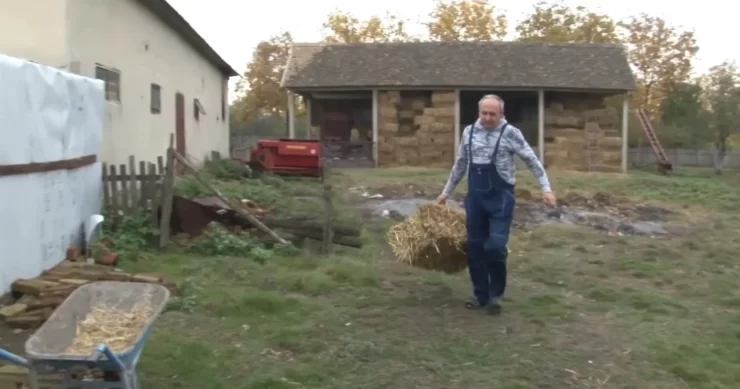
521 110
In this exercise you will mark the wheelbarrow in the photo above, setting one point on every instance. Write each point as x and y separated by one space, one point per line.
46 348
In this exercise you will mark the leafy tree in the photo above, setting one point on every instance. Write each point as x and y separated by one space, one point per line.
684 112
661 56
722 94
465 20
342 27
558 22
260 92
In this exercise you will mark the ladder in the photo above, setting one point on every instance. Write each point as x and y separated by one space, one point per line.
664 165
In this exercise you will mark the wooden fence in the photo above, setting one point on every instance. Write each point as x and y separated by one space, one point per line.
137 186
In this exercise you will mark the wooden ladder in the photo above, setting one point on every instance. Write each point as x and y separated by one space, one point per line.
664 165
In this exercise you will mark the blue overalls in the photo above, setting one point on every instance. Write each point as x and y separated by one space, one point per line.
489 206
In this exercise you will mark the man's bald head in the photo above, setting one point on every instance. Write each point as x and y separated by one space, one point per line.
490 111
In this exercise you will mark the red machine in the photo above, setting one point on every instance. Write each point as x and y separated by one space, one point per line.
287 157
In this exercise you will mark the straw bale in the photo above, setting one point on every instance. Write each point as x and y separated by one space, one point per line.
434 239
424 120
388 113
406 114
441 128
388 127
418 104
611 141
443 97
563 121
605 117
392 96
556 107
445 113
591 127
564 132
610 157
405 141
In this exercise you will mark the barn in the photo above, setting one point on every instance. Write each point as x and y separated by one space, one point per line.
406 104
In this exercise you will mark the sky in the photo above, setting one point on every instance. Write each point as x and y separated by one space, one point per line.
234 27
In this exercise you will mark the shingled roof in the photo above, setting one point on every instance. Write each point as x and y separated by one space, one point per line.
459 64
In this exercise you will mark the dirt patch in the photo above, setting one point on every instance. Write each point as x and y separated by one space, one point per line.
601 211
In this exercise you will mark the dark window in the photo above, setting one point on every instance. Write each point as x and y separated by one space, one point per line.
112 79
198 109
156 99
224 95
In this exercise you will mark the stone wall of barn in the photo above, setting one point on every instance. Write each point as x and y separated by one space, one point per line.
416 128
582 133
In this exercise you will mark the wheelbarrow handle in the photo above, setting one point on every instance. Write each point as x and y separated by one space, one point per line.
104 351
10 357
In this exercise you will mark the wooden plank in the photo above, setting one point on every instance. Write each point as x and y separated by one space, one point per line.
124 190
113 190
328 236
167 193
133 185
152 189
255 222
144 183
41 167
160 165
106 190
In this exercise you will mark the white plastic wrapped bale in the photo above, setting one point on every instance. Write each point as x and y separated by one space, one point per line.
47 115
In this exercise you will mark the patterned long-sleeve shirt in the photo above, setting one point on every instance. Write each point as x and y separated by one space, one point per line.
484 142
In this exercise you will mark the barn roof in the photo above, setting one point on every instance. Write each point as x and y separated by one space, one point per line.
459 64
169 16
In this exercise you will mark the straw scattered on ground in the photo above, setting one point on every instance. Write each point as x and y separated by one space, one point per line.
434 238
116 328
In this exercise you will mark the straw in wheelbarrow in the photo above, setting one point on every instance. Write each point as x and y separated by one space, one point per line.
434 238
114 327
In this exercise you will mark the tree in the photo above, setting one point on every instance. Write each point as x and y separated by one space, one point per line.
661 56
683 111
342 27
722 96
465 20
557 22
260 92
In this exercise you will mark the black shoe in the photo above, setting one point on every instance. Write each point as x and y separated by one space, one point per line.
494 307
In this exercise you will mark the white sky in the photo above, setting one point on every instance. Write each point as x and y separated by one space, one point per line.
234 27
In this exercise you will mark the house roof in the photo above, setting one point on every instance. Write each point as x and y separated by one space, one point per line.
164 11
459 64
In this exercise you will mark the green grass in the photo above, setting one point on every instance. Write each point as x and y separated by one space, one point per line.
584 310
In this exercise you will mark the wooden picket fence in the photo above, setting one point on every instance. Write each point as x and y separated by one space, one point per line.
138 186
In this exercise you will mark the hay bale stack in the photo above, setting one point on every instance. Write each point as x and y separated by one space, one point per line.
433 239
581 137
416 129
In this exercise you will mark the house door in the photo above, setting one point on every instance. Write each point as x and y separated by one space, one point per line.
180 127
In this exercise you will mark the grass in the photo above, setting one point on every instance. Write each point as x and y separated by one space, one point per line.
584 310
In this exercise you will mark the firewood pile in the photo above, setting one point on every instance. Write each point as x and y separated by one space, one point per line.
37 298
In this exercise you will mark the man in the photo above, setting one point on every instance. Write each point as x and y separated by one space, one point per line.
487 154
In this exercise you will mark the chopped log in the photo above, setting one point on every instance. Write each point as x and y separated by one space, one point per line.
12 310
31 286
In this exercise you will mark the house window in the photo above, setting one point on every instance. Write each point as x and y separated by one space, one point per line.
223 99
156 99
198 109
112 79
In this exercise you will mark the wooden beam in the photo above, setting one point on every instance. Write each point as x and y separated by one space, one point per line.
625 130
541 125
42 167
375 127
457 121
291 115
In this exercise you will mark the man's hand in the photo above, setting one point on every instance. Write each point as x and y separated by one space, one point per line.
442 199
549 199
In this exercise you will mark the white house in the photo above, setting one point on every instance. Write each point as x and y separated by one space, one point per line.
161 77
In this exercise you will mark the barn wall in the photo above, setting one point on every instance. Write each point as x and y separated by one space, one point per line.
582 133
416 128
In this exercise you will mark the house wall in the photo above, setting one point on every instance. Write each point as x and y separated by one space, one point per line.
416 128
582 133
123 35
34 30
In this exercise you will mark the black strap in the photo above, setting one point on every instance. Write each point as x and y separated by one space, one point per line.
495 149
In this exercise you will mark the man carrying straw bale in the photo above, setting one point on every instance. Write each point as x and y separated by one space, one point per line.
487 154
